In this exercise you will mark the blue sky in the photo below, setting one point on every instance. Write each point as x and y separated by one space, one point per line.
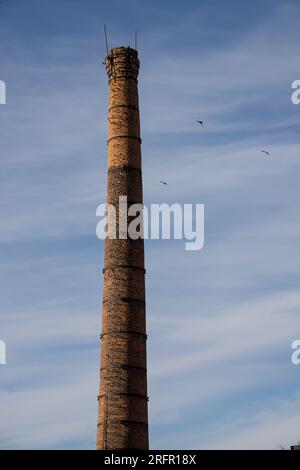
220 321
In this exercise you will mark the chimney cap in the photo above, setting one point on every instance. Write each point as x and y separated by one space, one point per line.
122 61
122 50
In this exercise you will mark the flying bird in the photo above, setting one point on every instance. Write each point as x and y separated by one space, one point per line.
266 152
163 182
201 123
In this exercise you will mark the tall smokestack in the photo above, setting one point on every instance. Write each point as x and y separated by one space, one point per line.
123 408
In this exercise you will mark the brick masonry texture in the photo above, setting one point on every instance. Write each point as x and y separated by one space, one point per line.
123 407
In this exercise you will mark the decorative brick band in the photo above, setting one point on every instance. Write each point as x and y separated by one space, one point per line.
123 266
128 106
123 366
125 137
114 333
123 421
123 299
126 394
122 77
123 167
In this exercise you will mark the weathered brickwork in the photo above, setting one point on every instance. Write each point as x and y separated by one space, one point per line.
123 408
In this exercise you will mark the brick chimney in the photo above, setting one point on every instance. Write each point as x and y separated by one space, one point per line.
123 408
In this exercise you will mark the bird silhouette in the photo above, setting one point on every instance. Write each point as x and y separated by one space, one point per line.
201 123
163 182
266 152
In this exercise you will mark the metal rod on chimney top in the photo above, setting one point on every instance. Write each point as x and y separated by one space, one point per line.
106 43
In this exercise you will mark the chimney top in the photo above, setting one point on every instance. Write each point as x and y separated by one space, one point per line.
122 62
121 50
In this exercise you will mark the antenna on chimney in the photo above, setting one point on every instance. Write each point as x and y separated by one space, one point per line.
105 35
135 40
